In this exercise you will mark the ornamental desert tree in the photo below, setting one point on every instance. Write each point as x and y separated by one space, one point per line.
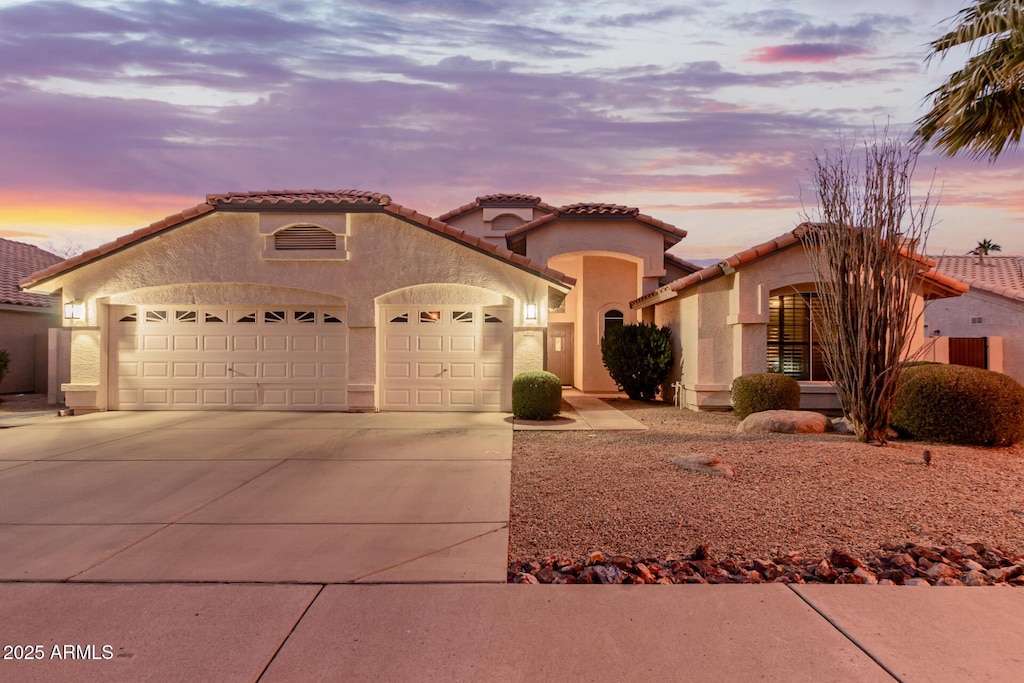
861 244
979 109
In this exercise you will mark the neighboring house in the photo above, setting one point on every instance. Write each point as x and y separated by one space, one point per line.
991 312
317 300
754 312
309 300
25 317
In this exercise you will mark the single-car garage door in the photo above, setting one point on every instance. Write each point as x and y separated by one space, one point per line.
229 358
446 358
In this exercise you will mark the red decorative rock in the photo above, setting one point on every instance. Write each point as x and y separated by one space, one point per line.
907 564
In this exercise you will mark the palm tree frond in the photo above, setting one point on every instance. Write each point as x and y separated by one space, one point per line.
979 109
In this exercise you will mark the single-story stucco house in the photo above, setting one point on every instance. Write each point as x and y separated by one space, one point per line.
988 319
344 300
25 317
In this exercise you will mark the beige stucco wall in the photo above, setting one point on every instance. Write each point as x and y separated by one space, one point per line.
218 259
608 283
603 282
480 221
721 327
612 237
22 335
1001 317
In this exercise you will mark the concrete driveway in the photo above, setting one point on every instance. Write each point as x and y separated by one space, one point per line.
256 497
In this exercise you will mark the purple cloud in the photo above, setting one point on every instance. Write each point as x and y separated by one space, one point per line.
805 52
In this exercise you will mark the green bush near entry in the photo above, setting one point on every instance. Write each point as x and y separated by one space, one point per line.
536 395
958 404
638 358
760 391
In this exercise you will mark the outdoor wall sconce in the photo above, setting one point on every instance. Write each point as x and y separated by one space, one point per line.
74 310
530 313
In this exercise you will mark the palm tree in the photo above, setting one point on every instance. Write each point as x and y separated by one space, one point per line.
983 249
980 108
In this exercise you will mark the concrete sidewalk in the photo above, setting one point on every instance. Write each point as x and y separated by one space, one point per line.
267 632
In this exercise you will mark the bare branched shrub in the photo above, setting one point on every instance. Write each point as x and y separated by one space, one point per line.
863 245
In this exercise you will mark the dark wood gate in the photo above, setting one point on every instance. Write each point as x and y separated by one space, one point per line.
970 351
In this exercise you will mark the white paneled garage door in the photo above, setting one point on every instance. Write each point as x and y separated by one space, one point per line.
446 358
228 358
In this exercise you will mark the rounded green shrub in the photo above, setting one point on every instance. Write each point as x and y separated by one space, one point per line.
958 404
916 364
760 391
638 358
536 395
5 362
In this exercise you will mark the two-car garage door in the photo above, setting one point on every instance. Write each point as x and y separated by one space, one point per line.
228 358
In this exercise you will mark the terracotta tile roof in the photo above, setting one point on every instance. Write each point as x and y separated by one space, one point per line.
935 284
512 200
686 265
1002 275
19 260
599 211
303 199
508 199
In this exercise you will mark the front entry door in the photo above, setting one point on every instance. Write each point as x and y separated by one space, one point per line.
560 345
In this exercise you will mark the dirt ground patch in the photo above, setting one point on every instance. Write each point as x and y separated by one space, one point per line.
23 403
618 492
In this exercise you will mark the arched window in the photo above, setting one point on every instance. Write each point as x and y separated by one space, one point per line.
793 348
613 318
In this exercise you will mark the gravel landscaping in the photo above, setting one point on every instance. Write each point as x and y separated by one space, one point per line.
23 403
574 493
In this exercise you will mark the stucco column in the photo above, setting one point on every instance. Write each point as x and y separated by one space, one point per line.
83 392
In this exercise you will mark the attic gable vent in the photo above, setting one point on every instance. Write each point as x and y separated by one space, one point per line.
305 238
506 222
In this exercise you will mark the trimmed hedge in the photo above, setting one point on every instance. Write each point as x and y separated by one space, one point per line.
958 404
760 391
536 395
638 358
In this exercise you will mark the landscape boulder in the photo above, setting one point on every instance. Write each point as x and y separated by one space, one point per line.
783 422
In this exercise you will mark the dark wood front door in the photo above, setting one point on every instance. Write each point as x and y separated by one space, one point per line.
560 343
